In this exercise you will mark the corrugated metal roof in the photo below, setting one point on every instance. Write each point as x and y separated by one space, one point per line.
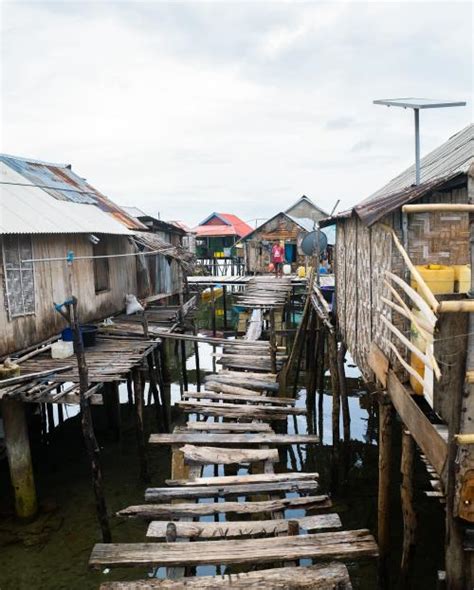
305 199
30 210
238 226
59 181
451 159
134 211
152 242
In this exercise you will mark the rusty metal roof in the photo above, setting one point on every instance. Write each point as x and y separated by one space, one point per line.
59 181
445 163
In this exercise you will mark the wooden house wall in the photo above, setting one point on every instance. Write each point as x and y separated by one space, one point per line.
279 228
440 237
51 280
364 254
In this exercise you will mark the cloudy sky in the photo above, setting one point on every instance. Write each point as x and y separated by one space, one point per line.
185 108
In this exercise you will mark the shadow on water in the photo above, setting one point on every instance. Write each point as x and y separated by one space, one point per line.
53 551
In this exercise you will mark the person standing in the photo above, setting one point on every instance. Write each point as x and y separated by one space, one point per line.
278 257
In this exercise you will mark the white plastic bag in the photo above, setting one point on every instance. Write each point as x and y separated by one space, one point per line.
133 306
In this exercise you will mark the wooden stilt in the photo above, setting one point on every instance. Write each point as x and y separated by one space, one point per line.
224 304
129 390
50 413
273 344
138 393
385 460
346 417
60 407
408 510
165 399
153 391
196 359
213 311
19 457
110 396
86 421
335 385
184 370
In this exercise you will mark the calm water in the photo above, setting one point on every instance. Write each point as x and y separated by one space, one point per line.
52 552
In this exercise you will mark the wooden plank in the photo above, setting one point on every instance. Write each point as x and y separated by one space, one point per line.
220 456
233 491
318 577
247 528
224 480
173 511
227 397
244 409
379 364
225 388
425 434
339 544
229 426
204 438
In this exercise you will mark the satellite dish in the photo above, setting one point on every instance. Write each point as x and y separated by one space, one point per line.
309 244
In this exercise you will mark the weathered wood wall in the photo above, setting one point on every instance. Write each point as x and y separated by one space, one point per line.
276 229
363 254
51 286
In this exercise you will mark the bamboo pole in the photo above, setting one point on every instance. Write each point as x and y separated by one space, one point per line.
417 299
429 361
430 298
462 306
406 313
439 207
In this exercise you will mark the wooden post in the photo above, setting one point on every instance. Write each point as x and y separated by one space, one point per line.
138 392
110 396
408 510
273 345
184 369
213 311
224 304
86 422
152 376
346 417
460 462
196 358
165 399
50 413
335 385
385 460
19 457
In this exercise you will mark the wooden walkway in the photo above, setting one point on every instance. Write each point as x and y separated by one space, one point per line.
250 527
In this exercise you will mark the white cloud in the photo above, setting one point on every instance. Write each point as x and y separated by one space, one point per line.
186 108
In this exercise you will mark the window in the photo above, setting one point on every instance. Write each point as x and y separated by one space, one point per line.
19 276
101 268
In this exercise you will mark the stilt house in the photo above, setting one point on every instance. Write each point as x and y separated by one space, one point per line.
404 311
290 227
46 212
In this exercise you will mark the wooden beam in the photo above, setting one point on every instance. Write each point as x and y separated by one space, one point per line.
174 511
242 528
319 577
343 545
424 433
230 491
205 438
439 207
223 480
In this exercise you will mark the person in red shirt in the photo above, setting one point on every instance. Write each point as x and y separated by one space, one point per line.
278 257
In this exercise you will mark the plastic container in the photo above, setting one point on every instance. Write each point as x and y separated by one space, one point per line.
62 349
287 269
88 332
301 272
67 335
439 278
462 278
